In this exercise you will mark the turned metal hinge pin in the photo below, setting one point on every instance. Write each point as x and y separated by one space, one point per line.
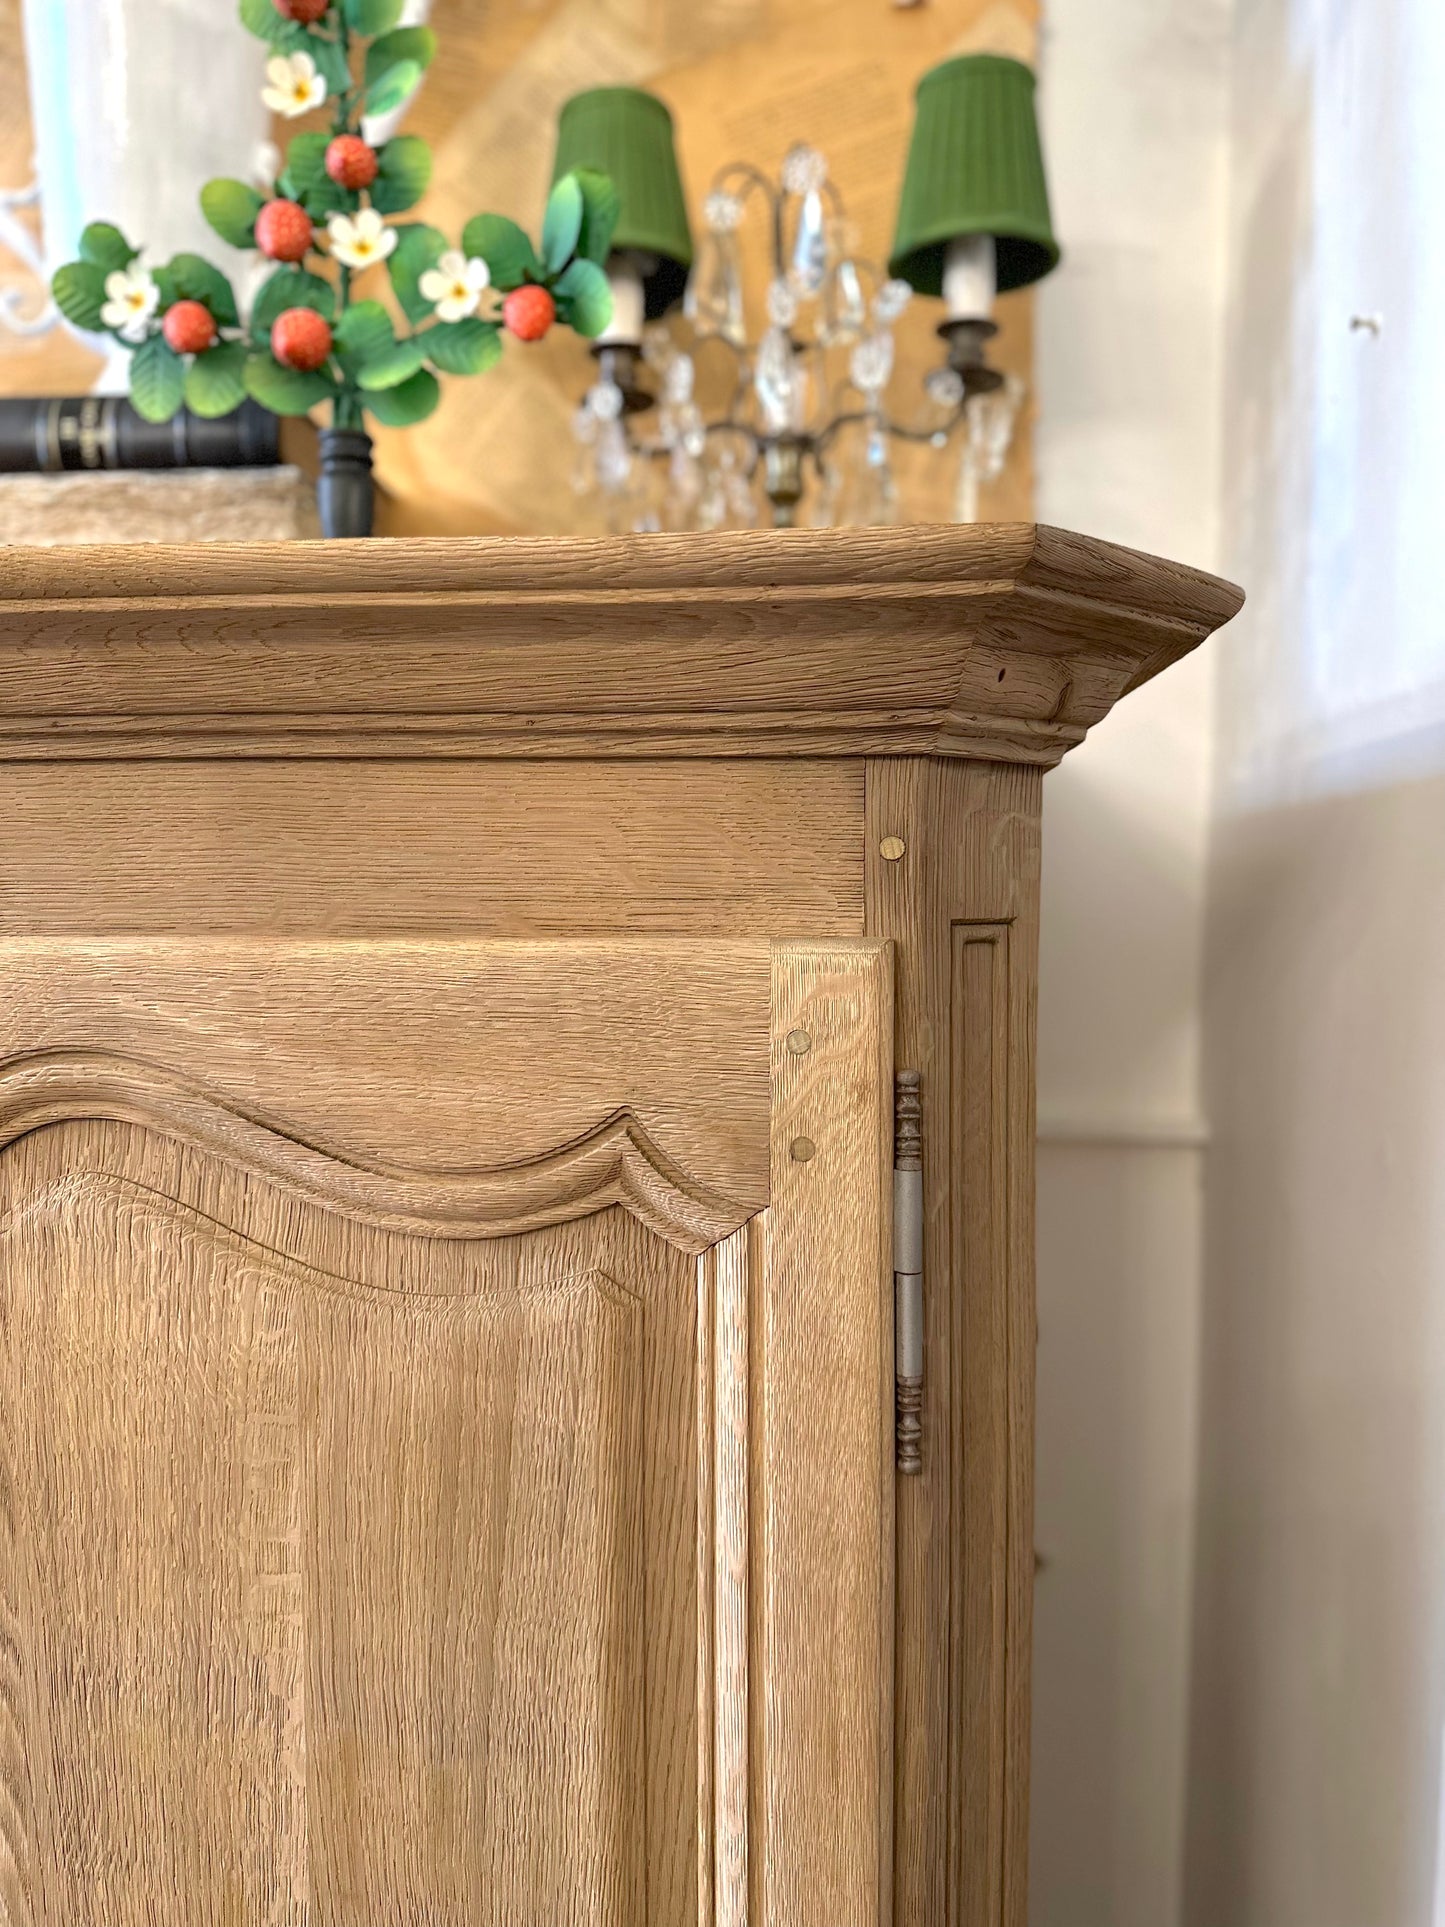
908 1268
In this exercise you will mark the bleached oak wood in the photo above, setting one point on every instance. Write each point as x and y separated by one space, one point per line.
1019 638
384 1077
447 1006
961 906
351 1574
755 849
821 1438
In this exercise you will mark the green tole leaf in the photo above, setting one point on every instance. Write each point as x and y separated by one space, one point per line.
466 347
231 208
404 170
418 247
216 380
157 380
371 16
505 249
305 164
412 402
561 224
330 61
190 277
105 247
326 197
289 288
284 36
285 391
392 87
79 290
261 18
398 364
363 334
417 44
584 299
601 206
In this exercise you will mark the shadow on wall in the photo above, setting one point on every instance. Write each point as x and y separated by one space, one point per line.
1122 893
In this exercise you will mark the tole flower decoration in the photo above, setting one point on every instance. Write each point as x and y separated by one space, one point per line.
326 219
131 298
360 240
293 86
455 286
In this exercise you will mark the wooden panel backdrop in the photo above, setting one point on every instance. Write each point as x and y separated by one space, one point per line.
744 78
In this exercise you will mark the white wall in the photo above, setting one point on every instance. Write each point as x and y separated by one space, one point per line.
1129 369
1319 1676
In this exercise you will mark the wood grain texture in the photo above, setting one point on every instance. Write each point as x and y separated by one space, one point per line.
456 1087
350 1574
962 907
519 1027
820 1438
756 849
1017 640
726 1281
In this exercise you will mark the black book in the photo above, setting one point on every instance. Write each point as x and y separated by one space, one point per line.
51 434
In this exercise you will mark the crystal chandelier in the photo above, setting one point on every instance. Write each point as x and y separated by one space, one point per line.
803 429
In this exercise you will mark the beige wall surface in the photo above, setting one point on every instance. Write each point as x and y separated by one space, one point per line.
1319 1674
1129 369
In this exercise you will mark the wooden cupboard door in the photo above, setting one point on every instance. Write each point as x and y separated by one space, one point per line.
444 1425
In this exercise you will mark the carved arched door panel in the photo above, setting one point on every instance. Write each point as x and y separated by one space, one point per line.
443 1433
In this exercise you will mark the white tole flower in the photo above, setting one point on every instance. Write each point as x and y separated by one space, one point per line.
293 85
131 298
360 240
455 286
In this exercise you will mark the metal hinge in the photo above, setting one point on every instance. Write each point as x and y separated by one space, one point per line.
908 1268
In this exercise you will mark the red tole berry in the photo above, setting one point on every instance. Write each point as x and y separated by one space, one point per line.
301 339
350 162
304 12
529 312
189 327
283 231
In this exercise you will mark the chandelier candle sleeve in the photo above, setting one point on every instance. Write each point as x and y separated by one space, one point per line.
625 277
970 277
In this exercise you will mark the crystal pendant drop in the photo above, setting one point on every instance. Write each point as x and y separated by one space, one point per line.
944 388
775 382
875 503
809 267
804 170
713 302
614 458
890 301
871 363
845 310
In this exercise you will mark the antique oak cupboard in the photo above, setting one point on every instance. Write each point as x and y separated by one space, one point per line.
450 999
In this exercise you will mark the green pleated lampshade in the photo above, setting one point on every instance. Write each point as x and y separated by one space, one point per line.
627 133
974 167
